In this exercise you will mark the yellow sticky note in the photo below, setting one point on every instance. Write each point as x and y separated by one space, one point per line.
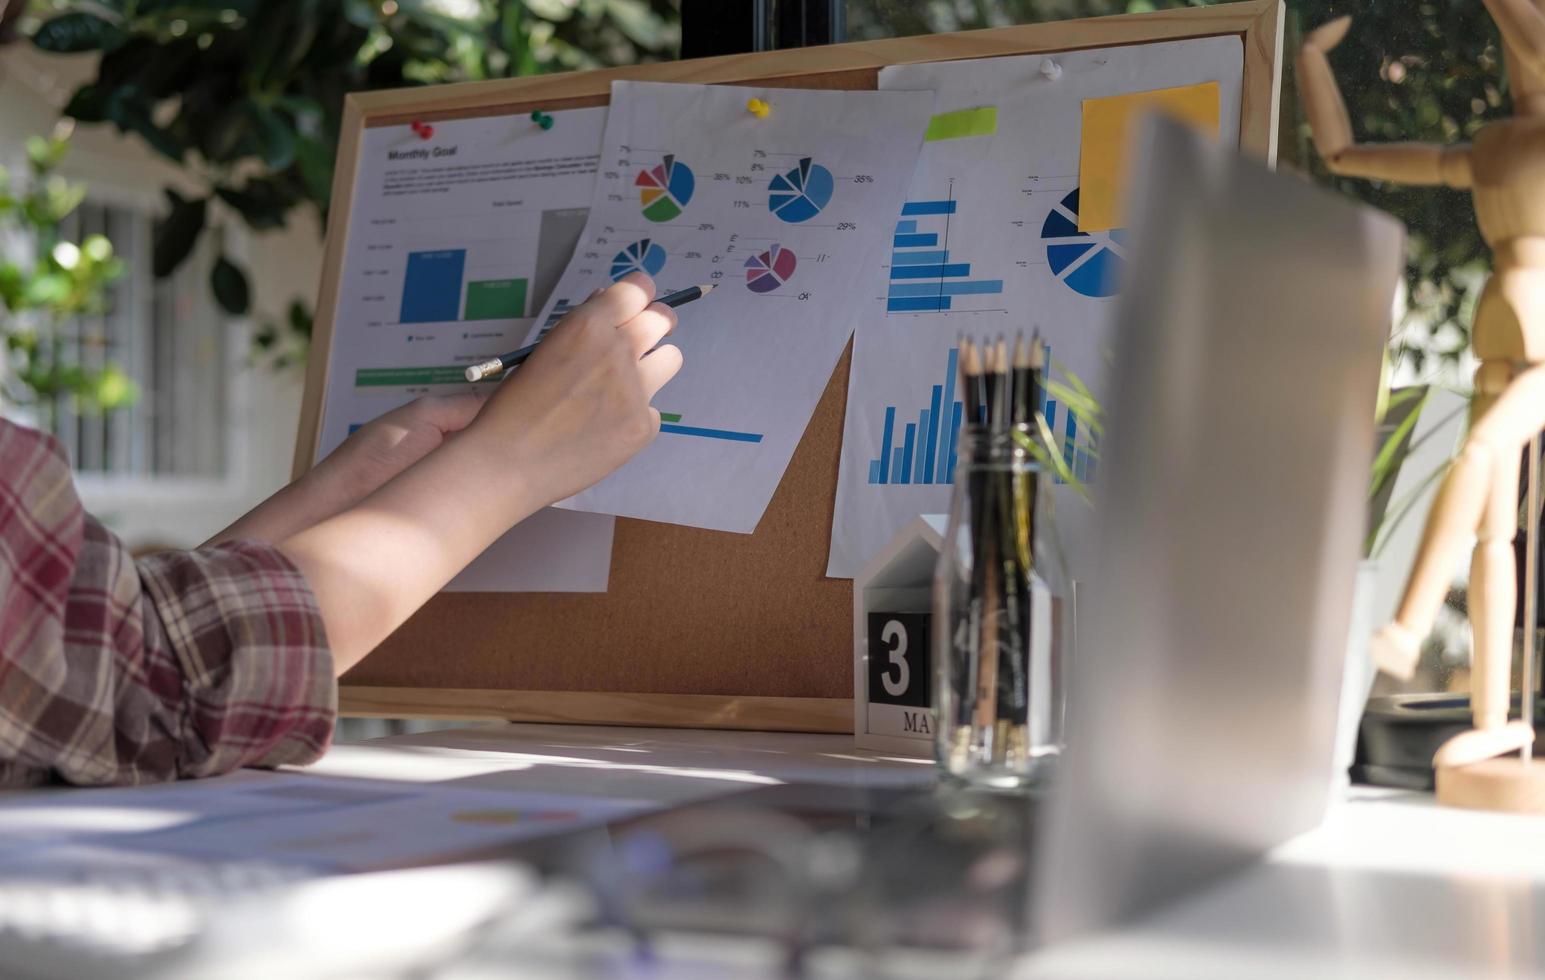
1103 146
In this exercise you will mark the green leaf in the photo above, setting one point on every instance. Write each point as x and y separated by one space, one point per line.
275 139
307 111
222 136
286 32
637 21
1042 445
1079 400
176 235
45 289
49 204
230 287
360 13
88 105
1390 456
97 248
130 109
1379 536
300 318
12 283
554 10
111 388
263 203
74 32
45 154
314 159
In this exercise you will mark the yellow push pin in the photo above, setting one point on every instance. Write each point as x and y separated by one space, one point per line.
758 108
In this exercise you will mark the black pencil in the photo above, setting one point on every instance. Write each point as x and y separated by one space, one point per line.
1024 388
992 378
498 365
971 380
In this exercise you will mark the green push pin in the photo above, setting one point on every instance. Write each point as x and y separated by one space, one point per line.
542 119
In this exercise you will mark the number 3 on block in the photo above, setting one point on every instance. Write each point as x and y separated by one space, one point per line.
896 638
899 664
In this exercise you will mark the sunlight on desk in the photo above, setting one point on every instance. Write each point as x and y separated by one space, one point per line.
82 818
421 765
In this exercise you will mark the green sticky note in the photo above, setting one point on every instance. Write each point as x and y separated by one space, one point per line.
962 123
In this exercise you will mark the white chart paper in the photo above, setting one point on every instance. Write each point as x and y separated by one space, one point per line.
987 244
785 213
455 241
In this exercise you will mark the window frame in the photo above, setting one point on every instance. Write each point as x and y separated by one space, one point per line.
110 492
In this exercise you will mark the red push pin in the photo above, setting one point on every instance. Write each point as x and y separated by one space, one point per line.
423 129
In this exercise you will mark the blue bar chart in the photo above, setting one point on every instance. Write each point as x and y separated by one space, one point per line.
431 289
924 450
1076 442
923 278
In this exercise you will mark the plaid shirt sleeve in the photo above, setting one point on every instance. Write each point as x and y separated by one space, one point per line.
111 672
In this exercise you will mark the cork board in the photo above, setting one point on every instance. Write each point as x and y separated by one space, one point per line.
698 628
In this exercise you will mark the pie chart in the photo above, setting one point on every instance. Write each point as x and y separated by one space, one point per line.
642 256
663 192
1089 263
800 194
771 269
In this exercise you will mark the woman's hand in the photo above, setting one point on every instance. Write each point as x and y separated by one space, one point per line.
391 443
372 455
575 411
579 408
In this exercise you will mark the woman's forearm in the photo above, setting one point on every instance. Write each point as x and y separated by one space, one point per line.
569 416
383 448
374 564
292 509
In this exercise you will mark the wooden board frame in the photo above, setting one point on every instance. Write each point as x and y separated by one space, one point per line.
699 629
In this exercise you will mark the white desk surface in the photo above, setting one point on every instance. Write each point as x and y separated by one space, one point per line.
1390 885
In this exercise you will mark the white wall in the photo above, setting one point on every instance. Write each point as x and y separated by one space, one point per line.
281 265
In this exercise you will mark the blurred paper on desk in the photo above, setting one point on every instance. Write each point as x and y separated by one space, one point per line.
1203 704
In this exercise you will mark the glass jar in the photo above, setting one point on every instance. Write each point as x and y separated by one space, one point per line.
1003 618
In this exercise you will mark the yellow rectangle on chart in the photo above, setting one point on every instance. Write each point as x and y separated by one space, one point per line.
1103 145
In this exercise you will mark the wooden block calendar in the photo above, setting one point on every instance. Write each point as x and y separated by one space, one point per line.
698 628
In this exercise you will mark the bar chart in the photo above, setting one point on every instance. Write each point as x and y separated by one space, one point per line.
494 277
431 288
432 291
671 424
1076 442
924 277
924 451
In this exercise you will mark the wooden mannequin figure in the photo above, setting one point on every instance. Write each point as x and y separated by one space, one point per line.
1504 168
